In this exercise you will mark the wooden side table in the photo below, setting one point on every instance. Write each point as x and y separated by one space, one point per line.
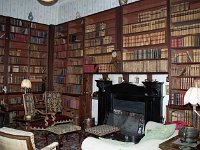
169 145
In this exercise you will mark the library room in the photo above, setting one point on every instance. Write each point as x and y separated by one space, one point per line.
100 74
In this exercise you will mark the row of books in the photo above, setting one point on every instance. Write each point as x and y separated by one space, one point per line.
183 56
59 79
36 78
95 27
1 79
180 115
75 61
182 83
20 30
75 46
60 54
75 53
186 41
144 39
2 50
74 79
12 79
152 14
74 69
183 30
144 26
100 59
99 41
186 15
62 47
178 98
58 63
99 49
37 40
16 100
72 89
107 68
91 35
60 71
18 60
38 33
18 52
18 22
154 53
71 103
60 41
146 66
91 68
19 37
179 7
40 55
38 62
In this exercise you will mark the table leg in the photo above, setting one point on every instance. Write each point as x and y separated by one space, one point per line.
59 138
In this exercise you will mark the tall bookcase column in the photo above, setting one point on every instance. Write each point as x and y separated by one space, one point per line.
60 57
4 42
185 52
144 37
72 85
100 44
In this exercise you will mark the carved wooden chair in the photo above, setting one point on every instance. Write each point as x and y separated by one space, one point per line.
54 104
31 112
11 139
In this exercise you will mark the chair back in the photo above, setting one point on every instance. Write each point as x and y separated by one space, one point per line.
11 139
29 104
53 101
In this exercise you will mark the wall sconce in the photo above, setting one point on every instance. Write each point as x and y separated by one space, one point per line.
47 2
26 84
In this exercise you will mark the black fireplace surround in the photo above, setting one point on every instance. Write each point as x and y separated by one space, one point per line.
126 97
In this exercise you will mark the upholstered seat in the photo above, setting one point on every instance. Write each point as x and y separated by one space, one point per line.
30 111
53 103
12 139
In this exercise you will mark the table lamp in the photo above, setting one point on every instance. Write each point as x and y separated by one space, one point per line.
26 84
192 96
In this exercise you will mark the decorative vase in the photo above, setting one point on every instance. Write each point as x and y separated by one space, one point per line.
123 2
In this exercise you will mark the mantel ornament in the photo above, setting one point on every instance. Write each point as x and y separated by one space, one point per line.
123 2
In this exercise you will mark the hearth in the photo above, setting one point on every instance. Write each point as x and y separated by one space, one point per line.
125 97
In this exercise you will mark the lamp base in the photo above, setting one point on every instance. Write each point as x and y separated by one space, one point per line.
189 134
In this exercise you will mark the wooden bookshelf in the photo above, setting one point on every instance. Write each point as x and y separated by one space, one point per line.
60 57
100 42
184 48
74 76
145 38
2 49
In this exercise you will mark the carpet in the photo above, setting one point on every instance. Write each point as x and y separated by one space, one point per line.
70 141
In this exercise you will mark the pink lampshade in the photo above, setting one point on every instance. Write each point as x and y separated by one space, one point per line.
192 96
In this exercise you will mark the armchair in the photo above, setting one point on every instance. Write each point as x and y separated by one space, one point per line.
12 139
31 112
53 102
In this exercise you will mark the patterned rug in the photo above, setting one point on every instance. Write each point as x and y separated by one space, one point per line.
70 141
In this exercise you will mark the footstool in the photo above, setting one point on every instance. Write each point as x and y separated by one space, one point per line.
63 129
102 130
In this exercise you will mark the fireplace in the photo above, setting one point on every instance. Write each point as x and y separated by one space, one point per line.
125 97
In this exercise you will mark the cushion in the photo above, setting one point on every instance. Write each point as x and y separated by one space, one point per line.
160 132
179 124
